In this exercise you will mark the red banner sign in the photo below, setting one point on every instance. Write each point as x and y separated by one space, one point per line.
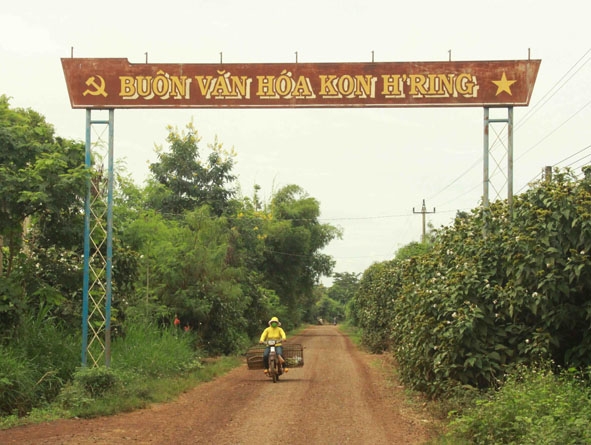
116 83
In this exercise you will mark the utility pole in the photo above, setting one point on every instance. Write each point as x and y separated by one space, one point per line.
548 173
424 213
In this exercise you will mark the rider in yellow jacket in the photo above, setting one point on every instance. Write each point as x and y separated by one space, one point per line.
273 332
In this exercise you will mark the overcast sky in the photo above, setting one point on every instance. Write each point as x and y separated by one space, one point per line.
368 167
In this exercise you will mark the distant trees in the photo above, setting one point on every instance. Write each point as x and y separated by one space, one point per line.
184 244
293 262
334 302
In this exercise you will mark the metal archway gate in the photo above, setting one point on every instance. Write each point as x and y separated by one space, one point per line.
100 85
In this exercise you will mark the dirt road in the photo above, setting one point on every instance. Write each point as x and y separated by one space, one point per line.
346 401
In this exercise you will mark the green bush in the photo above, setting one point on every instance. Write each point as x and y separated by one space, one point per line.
17 383
493 292
87 387
373 304
147 350
41 357
532 407
53 352
96 381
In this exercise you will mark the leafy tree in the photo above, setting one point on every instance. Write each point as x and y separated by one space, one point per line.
183 182
184 270
412 249
343 287
40 174
43 179
248 235
293 263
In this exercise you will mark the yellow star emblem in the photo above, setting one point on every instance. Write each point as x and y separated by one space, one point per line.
504 85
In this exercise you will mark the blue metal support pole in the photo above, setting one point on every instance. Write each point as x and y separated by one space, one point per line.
109 287
85 285
98 246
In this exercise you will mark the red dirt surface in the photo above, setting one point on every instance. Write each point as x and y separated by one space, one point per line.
349 400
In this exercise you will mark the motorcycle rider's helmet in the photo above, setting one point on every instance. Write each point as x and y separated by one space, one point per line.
274 320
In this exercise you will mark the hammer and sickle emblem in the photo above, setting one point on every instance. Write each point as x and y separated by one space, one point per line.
99 88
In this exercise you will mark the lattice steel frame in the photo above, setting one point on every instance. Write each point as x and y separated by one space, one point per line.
487 155
98 246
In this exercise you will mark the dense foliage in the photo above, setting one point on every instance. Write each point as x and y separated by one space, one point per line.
42 178
491 292
185 245
534 406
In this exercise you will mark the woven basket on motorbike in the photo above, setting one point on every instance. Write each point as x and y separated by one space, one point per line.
254 357
292 353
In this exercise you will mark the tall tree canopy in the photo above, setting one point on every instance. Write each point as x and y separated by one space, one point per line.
293 259
186 181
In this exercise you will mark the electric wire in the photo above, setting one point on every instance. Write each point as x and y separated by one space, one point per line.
573 155
550 93
554 131
573 70
468 170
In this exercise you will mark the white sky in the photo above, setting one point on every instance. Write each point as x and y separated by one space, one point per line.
368 167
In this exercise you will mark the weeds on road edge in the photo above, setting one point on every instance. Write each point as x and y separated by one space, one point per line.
125 392
533 406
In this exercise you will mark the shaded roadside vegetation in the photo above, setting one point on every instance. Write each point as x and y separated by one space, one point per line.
186 244
494 315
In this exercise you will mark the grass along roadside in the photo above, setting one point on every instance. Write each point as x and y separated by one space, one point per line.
126 392
152 367
353 332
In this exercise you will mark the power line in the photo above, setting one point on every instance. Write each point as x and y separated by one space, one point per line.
573 155
572 165
553 131
455 180
355 218
546 97
543 101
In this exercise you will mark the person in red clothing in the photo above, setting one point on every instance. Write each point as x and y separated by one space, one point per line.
273 332
177 322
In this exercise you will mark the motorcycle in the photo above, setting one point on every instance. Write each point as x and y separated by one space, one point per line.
276 362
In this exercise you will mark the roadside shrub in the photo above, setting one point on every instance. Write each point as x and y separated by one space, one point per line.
17 383
53 352
41 357
87 386
493 292
373 304
96 381
532 407
147 350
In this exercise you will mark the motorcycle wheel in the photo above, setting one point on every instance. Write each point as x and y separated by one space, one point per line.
273 370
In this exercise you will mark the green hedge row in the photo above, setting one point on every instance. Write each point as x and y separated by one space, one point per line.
493 291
